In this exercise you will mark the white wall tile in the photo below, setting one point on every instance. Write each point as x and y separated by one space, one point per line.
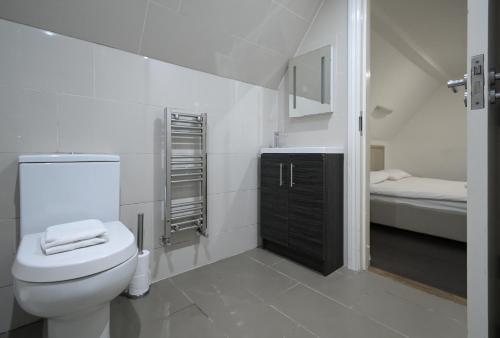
115 23
172 4
240 18
8 240
303 8
141 178
254 63
128 216
32 59
9 196
280 33
146 80
162 41
126 117
175 260
215 95
102 126
228 173
232 210
11 315
29 122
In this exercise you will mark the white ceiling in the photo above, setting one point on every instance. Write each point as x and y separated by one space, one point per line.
416 47
250 41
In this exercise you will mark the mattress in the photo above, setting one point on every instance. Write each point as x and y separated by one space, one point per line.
423 189
424 205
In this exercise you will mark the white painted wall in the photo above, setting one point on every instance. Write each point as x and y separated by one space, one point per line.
426 132
59 94
397 84
434 142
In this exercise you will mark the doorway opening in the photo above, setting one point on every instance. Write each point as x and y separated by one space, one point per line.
417 143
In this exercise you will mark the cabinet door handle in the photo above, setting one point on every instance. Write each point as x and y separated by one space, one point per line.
291 175
281 174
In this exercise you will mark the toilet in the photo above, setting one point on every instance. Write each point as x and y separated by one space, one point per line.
73 289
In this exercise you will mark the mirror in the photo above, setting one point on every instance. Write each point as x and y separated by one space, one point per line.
309 83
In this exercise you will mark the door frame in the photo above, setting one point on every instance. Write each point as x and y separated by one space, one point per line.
477 145
358 81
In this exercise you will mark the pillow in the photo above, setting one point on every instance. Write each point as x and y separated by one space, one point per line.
397 174
378 176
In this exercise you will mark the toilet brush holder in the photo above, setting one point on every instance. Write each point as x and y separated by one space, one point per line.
141 281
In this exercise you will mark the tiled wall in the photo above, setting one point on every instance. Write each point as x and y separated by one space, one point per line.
59 94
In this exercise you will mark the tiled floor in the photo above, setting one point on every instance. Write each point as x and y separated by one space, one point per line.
258 294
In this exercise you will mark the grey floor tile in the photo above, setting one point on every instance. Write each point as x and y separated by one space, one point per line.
264 256
163 299
257 320
34 330
239 271
408 318
346 288
327 318
259 294
440 306
186 323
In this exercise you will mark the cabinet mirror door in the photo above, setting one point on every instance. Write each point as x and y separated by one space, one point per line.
310 83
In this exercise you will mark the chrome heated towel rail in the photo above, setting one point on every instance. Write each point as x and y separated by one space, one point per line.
185 173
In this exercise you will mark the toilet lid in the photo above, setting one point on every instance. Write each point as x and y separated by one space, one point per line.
32 265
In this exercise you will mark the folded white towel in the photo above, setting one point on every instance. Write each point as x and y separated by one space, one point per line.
73 232
73 245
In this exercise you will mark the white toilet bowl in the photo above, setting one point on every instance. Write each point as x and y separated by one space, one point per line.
73 289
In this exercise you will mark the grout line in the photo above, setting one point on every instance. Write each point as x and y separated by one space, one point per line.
293 320
382 324
180 290
312 289
146 12
93 71
289 10
309 28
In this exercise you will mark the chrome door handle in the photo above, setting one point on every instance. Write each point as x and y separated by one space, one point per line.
453 84
281 174
291 175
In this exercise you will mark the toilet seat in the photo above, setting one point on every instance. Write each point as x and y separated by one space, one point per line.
32 265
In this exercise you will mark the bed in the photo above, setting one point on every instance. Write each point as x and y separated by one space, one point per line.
424 205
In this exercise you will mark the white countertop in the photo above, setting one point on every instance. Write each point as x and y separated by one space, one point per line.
303 150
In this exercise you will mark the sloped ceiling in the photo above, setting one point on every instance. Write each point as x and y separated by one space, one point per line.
416 47
250 41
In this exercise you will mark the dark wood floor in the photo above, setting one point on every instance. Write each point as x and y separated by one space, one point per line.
437 262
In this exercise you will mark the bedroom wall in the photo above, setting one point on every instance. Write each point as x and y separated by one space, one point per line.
59 94
434 142
426 132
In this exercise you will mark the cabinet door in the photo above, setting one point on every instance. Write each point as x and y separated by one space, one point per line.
274 198
305 204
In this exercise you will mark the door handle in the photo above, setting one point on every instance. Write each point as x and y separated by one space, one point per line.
281 174
454 84
291 175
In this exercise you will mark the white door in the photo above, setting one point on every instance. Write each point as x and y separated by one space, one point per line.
483 176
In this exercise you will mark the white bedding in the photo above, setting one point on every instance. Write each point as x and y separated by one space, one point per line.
423 189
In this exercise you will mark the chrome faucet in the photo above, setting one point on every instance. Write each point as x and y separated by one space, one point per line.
276 140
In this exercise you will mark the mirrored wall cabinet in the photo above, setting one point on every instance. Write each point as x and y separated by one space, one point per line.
310 83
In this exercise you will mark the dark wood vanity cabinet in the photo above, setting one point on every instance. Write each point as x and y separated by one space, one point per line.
301 208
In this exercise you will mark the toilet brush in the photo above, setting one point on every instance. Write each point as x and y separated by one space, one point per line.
139 285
